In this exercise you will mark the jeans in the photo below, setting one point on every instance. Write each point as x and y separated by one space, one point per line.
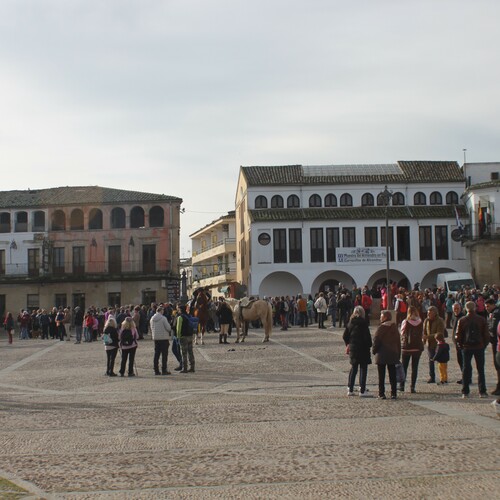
110 361
392 379
128 354
176 349
431 352
478 355
333 314
161 349
24 333
87 331
363 372
321 320
187 352
415 359
303 320
78 332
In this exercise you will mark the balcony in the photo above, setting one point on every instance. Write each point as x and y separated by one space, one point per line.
224 275
474 233
221 247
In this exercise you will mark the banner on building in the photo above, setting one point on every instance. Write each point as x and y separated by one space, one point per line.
361 255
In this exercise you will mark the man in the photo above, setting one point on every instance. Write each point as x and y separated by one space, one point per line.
456 314
473 338
493 320
433 325
184 333
302 310
78 317
160 333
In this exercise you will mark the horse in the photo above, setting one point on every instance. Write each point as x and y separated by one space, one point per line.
256 309
201 311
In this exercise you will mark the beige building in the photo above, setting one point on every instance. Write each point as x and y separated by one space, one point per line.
87 245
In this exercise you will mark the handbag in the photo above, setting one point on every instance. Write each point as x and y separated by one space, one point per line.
400 373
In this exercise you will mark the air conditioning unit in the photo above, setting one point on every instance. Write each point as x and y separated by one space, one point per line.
164 283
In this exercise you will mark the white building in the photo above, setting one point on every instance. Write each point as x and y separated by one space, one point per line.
300 229
481 234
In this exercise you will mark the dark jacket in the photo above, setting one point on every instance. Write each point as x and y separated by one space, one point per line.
225 314
482 325
357 337
493 320
442 353
387 344
113 333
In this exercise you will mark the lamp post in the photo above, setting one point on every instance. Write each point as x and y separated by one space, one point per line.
387 195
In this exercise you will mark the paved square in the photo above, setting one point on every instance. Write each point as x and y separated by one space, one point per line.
255 421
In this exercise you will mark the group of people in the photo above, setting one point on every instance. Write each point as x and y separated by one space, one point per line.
394 345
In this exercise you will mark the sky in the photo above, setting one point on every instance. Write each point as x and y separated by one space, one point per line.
173 96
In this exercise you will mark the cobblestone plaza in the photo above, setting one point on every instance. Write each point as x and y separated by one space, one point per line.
255 421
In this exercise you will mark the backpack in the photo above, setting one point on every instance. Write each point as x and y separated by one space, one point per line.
127 338
188 328
403 307
472 334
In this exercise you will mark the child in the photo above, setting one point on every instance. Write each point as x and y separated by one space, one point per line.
442 357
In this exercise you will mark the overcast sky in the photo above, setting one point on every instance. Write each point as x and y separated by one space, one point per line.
173 96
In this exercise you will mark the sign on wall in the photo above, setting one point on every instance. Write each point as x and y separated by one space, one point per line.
361 255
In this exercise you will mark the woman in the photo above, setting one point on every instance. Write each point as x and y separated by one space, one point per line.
128 338
412 345
358 339
321 306
9 326
387 351
111 339
225 315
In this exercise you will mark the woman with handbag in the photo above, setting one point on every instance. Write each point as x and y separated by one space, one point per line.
358 342
412 345
110 339
387 351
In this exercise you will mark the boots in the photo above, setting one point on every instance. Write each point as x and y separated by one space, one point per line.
224 337
496 392
220 338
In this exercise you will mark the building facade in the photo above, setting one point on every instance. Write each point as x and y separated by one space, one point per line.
481 232
87 245
213 257
301 229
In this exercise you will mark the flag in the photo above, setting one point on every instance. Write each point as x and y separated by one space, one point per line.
482 225
459 221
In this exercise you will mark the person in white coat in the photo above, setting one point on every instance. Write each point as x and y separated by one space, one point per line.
161 331
321 306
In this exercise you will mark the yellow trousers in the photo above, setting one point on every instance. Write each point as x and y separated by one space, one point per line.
443 372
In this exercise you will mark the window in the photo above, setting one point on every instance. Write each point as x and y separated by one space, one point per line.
398 199
419 199
293 201
58 221
38 221
261 202
95 218
371 237
390 241
114 259
381 200
367 200
317 246
76 220
403 241
117 218
277 201
58 261
149 258
279 245
330 200
156 217
5 222
2 261
32 301
60 300
148 296
315 201
21 222
332 243
264 239
435 198
78 299
346 200
441 237
349 237
79 260
114 298
33 262
425 242
295 252
451 198
137 217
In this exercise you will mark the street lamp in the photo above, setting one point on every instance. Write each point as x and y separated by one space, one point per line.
386 196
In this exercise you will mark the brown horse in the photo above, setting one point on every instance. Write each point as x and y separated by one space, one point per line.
256 309
201 312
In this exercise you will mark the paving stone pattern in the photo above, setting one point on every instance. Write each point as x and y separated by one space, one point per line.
255 421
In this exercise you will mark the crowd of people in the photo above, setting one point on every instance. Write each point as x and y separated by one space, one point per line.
416 321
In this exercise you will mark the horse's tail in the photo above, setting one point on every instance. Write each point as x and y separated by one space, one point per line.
269 319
